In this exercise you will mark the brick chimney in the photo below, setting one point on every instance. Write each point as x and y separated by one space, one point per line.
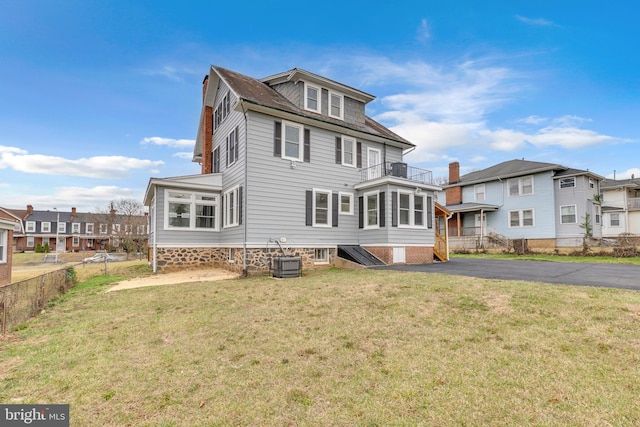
454 194
73 214
207 132
29 212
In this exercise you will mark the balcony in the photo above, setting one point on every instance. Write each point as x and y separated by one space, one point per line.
634 204
398 170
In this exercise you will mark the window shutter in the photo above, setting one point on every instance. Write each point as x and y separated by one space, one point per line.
309 207
240 198
277 139
429 212
394 208
307 146
360 212
382 210
334 208
222 211
228 144
359 155
338 150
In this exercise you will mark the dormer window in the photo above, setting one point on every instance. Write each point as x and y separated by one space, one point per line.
312 98
336 105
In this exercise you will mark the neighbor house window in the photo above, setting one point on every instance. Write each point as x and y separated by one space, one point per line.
45 227
346 203
30 241
292 142
321 208
232 147
312 98
231 204
75 241
75 227
568 214
371 209
336 105
520 186
191 211
142 229
321 256
115 228
62 227
4 236
521 218
479 192
568 182
89 228
103 228
31 227
614 220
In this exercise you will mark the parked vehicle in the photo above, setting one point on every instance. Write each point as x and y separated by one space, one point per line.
100 257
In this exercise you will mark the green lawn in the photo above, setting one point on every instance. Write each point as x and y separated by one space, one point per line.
370 348
551 257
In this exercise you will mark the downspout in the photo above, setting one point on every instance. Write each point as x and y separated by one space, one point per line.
245 192
446 232
155 229
482 228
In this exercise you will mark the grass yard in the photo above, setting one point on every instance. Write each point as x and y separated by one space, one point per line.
366 348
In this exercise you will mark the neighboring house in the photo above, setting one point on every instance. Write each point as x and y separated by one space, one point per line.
620 207
545 203
291 160
75 231
7 226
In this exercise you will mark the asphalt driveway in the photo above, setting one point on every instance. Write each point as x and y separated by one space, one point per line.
568 273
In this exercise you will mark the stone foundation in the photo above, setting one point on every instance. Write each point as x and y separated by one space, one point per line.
259 261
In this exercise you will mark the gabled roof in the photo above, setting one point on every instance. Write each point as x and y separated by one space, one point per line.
576 172
610 184
508 169
258 95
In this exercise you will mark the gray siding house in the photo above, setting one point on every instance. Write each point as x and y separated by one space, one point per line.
291 164
544 203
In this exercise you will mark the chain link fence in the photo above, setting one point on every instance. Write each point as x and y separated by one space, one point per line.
19 301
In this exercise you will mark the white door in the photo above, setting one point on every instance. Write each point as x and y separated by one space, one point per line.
481 227
399 255
373 159
61 244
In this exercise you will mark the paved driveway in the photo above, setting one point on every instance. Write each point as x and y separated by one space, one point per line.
569 273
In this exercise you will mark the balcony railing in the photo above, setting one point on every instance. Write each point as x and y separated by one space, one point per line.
398 170
634 203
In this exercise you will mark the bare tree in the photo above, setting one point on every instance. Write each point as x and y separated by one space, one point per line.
124 221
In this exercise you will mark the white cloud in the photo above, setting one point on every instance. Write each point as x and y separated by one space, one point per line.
633 172
540 22
533 120
91 167
169 142
423 33
176 73
188 155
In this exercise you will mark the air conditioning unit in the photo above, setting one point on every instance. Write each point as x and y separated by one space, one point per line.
399 169
285 267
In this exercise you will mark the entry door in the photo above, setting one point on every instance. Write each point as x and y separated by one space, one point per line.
61 244
373 159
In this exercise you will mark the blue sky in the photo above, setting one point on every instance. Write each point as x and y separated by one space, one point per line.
96 97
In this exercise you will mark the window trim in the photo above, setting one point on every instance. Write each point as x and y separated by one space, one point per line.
31 241
4 242
314 222
89 228
575 214
47 225
193 201
283 151
232 147
366 225
341 97
520 181
483 192
351 196
231 220
412 209
30 227
103 228
354 150
611 224
318 89
322 259
566 180
75 241
521 218
75 227
62 227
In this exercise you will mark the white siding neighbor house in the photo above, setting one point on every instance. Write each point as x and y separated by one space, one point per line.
291 165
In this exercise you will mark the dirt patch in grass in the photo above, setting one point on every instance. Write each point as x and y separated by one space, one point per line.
208 275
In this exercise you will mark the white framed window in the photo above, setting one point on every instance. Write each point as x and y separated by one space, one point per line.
62 227
232 255
232 147
103 228
569 182
75 227
222 111
128 228
45 227
346 203
75 241
479 191
292 141
190 211
520 186
321 256
89 227
411 209
321 208
336 105
30 227
142 229
614 220
312 98
371 207
231 207
348 151
592 183
4 242
216 160
31 241
568 214
521 218
597 209
115 228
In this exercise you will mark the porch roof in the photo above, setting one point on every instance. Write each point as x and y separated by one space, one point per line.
472 207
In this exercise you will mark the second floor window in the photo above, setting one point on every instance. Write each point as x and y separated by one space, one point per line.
75 227
216 160
31 227
292 142
103 228
232 147
312 98
479 191
89 228
45 227
520 186
568 182
62 227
